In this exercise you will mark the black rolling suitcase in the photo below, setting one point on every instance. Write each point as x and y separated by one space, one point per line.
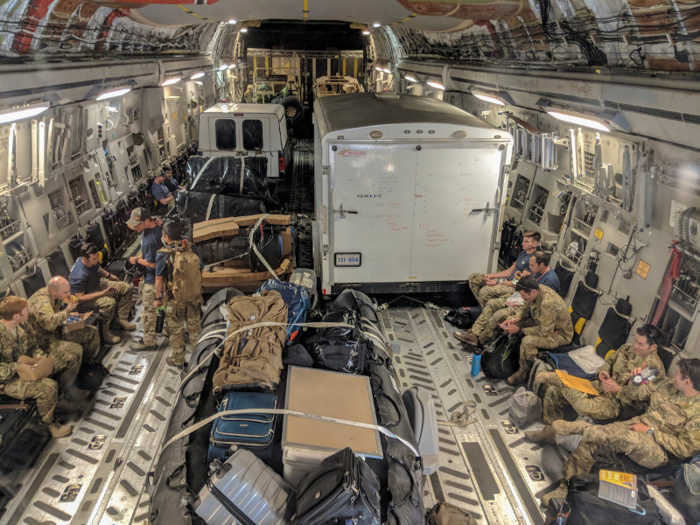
342 489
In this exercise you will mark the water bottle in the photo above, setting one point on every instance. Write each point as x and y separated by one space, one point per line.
160 319
645 376
476 362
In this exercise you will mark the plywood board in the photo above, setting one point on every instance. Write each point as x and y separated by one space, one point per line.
231 276
330 394
230 226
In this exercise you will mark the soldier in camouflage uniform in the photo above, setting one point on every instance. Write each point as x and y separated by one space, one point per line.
544 320
100 291
671 425
613 377
486 286
178 311
49 308
480 333
17 339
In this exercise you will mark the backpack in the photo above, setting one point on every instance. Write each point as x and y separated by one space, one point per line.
584 507
298 304
463 319
501 358
252 358
184 273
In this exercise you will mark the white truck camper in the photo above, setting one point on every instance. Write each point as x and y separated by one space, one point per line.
404 183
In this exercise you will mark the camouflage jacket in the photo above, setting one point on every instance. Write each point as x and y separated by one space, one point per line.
620 364
674 417
11 348
548 314
46 315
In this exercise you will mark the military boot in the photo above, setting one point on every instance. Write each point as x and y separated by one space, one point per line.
519 377
122 324
544 435
109 337
560 492
564 428
468 338
58 431
142 346
548 378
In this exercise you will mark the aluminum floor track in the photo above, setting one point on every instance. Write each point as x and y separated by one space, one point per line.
97 475
488 467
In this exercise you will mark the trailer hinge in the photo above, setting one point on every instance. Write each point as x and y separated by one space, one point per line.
343 212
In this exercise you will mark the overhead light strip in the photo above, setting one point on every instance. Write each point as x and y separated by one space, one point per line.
14 114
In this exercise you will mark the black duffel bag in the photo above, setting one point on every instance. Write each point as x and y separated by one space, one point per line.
584 507
342 356
501 358
463 319
342 489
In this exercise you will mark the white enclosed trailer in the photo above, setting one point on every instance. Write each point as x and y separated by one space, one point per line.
408 193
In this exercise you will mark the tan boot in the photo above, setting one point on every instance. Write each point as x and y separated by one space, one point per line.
468 338
519 377
173 362
544 435
123 324
548 378
58 431
564 428
560 492
142 346
109 337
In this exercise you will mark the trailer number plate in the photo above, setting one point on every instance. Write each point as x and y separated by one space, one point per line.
348 259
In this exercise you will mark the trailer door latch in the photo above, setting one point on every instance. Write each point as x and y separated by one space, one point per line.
343 212
486 210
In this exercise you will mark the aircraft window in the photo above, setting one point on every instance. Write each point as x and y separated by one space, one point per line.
252 135
225 134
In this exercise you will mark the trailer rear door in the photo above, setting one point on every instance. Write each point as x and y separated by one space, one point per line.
408 215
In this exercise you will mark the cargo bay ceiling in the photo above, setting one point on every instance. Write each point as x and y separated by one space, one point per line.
646 35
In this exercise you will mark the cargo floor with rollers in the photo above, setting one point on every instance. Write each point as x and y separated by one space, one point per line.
97 475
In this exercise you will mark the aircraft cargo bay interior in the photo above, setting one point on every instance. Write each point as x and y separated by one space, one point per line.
312 262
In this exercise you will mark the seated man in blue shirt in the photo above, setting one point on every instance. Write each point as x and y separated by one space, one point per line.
480 333
493 285
151 235
100 291
161 193
170 182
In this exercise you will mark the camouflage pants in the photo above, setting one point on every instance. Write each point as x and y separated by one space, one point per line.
484 293
89 339
66 357
490 328
177 314
106 307
44 392
596 407
149 314
618 438
481 327
530 344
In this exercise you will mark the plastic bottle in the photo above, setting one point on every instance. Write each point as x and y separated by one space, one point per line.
645 376
476 363
160 319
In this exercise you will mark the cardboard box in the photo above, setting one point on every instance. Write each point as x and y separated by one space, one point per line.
41 368
72 327
230 226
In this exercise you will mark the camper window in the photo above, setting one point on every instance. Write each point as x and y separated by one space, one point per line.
252 135
225 134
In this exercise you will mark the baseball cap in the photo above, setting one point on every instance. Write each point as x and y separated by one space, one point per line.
138 215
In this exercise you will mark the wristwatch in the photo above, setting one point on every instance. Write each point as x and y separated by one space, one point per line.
651 431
